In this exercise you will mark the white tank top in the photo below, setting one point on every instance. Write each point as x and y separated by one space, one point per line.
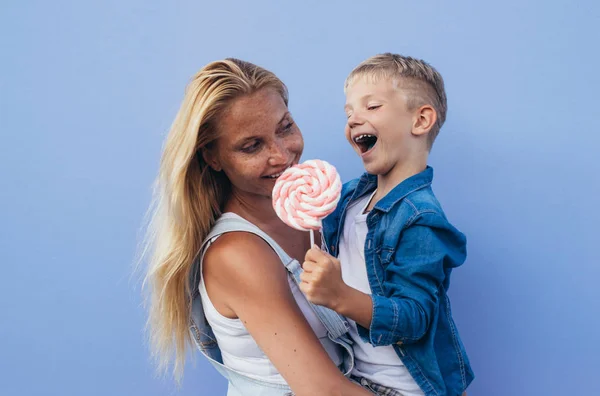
239 350
379 364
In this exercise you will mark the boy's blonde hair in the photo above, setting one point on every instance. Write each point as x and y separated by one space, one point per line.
420 80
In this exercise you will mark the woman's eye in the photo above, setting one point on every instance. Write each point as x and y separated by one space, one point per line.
373 107
286 129
251 148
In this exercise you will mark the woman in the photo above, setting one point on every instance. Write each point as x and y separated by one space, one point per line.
221 258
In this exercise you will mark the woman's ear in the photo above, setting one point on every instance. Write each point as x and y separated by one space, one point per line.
425 119
211 159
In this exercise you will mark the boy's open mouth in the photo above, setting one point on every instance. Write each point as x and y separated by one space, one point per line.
365 142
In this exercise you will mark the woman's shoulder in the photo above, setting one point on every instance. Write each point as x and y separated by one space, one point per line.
239 256
235 243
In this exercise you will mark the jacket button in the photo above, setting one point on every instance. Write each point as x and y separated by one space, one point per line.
399 343
332 248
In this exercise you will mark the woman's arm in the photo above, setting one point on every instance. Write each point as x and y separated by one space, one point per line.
246 277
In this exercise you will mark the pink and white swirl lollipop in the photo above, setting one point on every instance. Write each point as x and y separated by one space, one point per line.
306 193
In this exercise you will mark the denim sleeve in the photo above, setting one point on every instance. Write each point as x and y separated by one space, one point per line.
426 250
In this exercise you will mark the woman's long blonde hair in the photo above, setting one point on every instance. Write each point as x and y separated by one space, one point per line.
188 198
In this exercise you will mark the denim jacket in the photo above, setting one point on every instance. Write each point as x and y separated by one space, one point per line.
410 251
239 383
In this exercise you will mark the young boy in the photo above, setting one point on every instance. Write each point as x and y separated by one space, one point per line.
395 248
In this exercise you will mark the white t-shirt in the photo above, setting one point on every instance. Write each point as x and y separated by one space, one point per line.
379 364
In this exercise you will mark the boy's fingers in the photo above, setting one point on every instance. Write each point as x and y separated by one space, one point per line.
314 254
305 277
303 288
309 266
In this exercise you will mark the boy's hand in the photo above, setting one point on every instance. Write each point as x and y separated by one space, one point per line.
322 282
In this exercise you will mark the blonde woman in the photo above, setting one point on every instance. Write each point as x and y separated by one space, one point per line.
223 267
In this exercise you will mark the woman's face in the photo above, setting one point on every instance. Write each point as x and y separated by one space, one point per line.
258 141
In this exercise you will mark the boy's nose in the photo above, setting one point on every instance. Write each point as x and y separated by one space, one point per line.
355 120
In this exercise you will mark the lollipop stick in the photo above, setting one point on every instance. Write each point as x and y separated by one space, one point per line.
312 238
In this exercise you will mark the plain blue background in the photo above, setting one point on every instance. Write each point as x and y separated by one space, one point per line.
88 91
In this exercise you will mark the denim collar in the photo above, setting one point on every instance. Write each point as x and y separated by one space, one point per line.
368 183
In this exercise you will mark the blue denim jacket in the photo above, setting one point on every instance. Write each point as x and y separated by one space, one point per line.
410 251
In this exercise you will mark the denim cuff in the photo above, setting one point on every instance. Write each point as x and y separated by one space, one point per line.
384 319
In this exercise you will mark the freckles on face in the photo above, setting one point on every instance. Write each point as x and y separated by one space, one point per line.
258 139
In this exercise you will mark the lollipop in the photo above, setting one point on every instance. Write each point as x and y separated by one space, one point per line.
305 194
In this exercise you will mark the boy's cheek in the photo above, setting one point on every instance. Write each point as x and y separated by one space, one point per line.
347 134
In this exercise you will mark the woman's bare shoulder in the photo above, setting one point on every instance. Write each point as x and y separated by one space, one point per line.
241 258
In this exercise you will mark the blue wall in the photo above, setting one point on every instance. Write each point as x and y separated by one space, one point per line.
89 89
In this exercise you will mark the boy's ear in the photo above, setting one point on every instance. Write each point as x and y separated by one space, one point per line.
425 119
210 158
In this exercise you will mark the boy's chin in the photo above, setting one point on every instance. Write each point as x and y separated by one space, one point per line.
373 169
377 168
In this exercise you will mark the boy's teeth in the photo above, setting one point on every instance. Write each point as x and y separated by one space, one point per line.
361 137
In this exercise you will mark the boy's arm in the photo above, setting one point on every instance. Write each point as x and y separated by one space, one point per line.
412 281
322 284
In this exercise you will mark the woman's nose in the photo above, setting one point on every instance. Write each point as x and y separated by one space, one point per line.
278 154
